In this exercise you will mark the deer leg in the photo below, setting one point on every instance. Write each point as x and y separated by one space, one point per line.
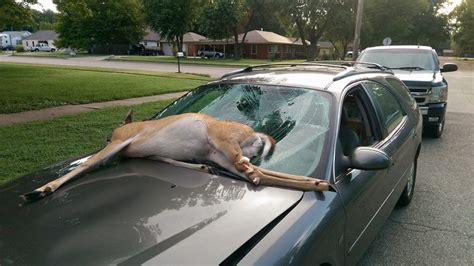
197 167
271 178
305 185
283 175
107 152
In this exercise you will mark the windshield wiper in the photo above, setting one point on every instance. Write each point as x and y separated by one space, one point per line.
215 169
409 68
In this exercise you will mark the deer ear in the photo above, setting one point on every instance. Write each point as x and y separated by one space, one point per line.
128 118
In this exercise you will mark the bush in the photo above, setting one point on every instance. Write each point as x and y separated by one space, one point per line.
19 48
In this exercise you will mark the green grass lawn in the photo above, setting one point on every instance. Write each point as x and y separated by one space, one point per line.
201 61
28 87
28 146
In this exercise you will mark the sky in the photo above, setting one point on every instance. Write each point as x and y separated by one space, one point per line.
48 4
45 4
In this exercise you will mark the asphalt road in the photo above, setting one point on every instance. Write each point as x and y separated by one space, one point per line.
437 228
214 72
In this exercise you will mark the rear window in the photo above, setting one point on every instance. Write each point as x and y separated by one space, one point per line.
392 112
400 58
402 90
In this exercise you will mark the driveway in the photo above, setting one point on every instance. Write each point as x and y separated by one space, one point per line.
99 62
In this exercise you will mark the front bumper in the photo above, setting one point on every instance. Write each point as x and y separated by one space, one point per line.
433 113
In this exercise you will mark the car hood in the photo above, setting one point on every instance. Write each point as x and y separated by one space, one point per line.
134 211
418 78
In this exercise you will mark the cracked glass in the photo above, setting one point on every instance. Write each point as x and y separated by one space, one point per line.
298 119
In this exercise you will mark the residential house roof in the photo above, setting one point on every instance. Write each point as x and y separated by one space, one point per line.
15 34
192 37
43 35
325 44
265 37
152 36
298 41
257 37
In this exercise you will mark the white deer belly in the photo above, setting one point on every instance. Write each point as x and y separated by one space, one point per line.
183 139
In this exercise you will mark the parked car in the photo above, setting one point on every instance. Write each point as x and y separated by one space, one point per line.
43 47
210 53
358 128
418 67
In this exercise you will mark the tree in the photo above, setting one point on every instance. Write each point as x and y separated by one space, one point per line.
15 14
312 18
225 18
85 23
464 26
42 20
172 18
405 22
340 30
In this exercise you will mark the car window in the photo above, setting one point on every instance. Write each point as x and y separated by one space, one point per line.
298 119
402 90
355 126
400 58
390 109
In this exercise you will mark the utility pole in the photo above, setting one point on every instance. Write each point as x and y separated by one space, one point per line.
360 10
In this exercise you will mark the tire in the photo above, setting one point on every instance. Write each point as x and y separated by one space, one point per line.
435 131
407 194
53 50
37 50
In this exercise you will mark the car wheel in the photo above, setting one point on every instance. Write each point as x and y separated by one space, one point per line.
37 50
435 131
53 50
407 194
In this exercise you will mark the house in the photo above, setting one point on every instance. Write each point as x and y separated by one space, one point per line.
41 36
151 40
191 42
259 44
326 50
9 39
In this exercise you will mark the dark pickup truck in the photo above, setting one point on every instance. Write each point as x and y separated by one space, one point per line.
418 67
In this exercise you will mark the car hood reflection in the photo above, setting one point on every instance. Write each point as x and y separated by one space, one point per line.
138 211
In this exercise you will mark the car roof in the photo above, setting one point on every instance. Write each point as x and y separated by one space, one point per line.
408 47
315 75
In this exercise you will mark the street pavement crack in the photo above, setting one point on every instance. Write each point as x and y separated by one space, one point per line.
427 228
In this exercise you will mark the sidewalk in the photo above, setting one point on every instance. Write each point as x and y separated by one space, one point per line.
44 114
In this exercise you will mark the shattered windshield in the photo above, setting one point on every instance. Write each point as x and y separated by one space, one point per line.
298 119
404 59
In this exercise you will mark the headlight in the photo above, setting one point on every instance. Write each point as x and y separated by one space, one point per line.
439 93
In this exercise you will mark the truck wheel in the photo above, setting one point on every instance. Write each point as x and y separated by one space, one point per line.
407 194
53 50
435 131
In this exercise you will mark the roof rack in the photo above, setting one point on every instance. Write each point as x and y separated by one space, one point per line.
357 67
349 67
278 65
355 63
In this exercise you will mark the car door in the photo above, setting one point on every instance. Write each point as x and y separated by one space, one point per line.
365 194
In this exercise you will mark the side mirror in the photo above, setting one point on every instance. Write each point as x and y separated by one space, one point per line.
367 158
449 67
